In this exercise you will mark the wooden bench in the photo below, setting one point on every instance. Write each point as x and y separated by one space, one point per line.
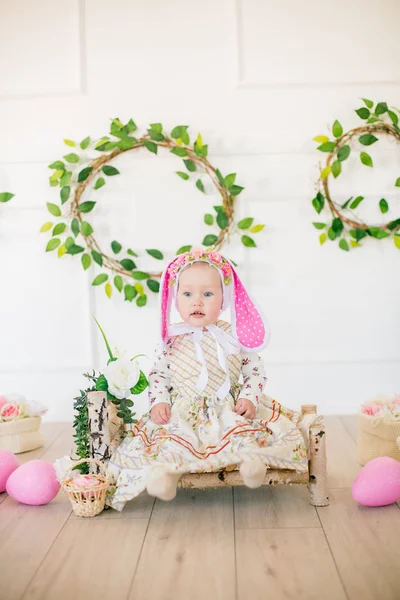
105 428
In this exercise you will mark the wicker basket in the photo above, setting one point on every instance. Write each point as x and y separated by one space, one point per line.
377 437
87 501
21 435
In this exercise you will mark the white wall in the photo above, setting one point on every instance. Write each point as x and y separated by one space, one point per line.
259 79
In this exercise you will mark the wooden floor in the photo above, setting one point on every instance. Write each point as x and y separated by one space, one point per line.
228 544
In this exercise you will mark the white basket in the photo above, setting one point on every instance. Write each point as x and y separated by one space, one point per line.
21 435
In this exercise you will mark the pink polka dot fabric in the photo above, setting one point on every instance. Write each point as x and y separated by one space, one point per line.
248 324
165 302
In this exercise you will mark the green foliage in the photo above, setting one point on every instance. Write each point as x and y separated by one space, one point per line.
363 113
116 247
118 282
151 146
75 249
336 168
327 147
127 264
6 196
129 292
318 202
376 119
86 228
343 153
153 285
155 254
140 275
64 193
367 139
100 279
210 240
73 173
99 183
84 174
81 424
383 205
109 170
87 206
245 223
72 158
366 159
248 241
337 129
183 249
54 209
200 186
86 261
52 244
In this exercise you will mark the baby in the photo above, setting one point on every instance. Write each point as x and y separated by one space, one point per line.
202 417
199 302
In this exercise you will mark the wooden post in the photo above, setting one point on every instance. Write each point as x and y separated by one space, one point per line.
308 409
104 425
318 486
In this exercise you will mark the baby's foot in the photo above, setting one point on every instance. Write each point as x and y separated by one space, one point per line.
253 472
162 484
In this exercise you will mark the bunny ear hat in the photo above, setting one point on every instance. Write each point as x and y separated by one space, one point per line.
249 326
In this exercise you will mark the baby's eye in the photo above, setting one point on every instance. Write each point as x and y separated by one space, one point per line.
187 294
208 294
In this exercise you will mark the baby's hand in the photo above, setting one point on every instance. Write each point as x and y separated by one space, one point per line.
160 413
245 408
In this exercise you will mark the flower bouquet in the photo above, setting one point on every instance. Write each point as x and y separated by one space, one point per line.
19 423
119 379
379 429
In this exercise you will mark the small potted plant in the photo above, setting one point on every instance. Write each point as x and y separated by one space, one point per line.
86 480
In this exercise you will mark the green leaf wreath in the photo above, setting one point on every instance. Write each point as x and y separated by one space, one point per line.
71 233
343 226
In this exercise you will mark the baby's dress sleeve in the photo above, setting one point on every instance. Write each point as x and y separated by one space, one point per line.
254 378
160 379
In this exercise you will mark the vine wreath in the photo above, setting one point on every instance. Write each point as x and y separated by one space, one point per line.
74 180
345 226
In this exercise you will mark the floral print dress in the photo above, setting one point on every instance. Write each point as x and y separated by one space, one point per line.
204 434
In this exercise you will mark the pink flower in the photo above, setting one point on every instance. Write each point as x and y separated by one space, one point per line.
181 259
197 253
215 257
84 481
9 411
371 409
3 401
396 401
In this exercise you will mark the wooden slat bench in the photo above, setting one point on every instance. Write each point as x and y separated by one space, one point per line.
105 428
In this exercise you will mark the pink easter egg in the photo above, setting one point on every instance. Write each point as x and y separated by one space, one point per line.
8 464
33 483
378 483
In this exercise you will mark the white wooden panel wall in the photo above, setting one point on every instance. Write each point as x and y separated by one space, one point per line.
259 79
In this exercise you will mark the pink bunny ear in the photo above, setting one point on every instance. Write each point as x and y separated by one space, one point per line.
165 302
248 323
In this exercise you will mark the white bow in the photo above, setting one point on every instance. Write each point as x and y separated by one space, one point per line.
226 344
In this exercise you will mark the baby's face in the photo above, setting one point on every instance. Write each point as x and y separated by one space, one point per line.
199 297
